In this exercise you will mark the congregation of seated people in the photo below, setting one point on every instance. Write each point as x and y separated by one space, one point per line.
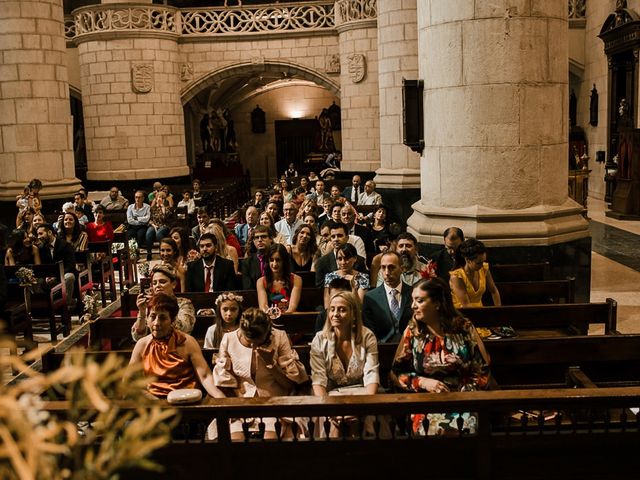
376 288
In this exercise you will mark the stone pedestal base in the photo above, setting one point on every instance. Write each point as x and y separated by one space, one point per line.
398 178
541 225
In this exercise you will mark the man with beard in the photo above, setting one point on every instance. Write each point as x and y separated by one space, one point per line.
445 258
211 273
54 249
407 249
114 201
386 310
254 264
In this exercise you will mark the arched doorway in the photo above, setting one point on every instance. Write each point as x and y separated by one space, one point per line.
291 96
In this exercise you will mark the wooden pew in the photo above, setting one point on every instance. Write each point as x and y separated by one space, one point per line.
51 303
520 272
565 319
534 292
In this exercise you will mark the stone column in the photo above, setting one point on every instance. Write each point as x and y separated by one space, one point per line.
495 107
358 38
397 59
130 77
35 118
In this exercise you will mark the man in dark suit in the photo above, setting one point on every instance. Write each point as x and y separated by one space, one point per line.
211 273
348 217
445 258
253 265
52 250
327 263
351 193
386 310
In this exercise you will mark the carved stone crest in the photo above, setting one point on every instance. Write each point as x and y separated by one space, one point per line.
333 63
142 77
186 72
357 67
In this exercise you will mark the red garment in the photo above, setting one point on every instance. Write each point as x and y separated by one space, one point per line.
99 233
232 241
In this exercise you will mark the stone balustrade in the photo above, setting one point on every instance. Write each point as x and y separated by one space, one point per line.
194 23
348 11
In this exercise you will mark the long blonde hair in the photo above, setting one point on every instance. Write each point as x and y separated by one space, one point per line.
356 312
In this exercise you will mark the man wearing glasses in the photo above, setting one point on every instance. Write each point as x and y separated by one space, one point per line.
288 225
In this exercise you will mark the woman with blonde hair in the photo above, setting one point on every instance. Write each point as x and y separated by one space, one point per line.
224 250
344 356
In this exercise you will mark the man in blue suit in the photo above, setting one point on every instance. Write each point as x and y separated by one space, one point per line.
386 310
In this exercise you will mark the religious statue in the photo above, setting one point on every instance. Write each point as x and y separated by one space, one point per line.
326 143
230 133
205 134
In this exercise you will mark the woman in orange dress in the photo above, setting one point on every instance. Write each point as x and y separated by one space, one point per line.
172 358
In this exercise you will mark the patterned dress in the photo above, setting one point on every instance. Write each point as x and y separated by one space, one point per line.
457 359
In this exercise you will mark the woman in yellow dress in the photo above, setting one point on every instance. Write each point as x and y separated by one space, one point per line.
471 277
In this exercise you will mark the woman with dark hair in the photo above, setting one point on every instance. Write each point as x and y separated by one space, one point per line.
183 242
279 286
172 358
257 360
287 189
440 351
100 230
169 255
471 276
21 250
267 220
379 228
304 183
228 312
346 258
273 209
24 219
69 229
303 250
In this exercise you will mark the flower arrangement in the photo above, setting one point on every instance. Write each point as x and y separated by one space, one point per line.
430 270
90 303
26 277
95 437
223 297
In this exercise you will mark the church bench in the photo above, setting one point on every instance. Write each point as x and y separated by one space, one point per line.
547 319
49 299
516 363
118 329
520 272
534 292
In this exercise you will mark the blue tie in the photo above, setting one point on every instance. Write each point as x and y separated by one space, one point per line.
395 306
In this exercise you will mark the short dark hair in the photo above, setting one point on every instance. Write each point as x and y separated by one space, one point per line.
208 236
348 250
47 226
202 211
338 226
341 284
407 236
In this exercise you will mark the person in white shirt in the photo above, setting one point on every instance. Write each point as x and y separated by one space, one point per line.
188 202
369 196
289 224
138 216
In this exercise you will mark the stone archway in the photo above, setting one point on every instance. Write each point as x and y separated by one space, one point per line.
247 68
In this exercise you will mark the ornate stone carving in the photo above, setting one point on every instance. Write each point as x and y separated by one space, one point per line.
186 72
257 60
357 67
355 10
142 77
333 63
577 9
110 18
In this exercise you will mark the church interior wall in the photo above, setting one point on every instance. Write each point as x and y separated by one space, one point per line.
257 151
596 72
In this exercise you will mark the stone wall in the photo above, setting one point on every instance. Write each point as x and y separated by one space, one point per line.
132 134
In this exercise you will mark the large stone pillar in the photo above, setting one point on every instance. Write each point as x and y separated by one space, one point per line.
397 59
130 77
495 108
358 38
35 118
